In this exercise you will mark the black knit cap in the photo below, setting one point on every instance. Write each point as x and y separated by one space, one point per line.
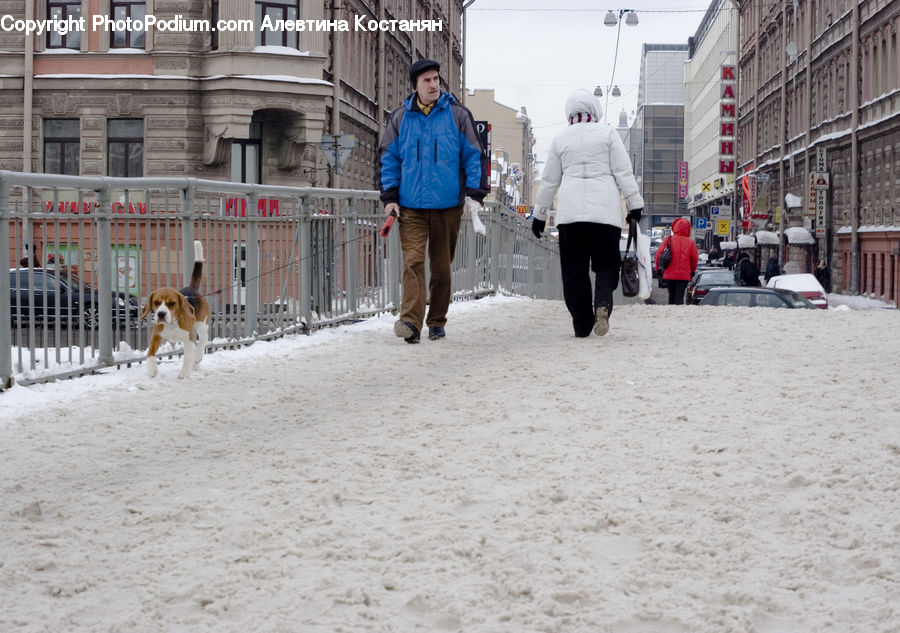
421 66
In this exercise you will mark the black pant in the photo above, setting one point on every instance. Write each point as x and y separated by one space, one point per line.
586 246
677 287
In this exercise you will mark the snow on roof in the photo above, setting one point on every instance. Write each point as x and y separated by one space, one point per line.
280 50
767 237
799 235
746 241
287 78
792 202
871 228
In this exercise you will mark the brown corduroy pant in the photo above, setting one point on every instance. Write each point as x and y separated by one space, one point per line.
437 230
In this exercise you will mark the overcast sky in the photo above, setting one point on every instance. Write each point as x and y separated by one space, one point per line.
534 56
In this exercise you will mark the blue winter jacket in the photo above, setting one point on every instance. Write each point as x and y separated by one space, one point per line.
434 161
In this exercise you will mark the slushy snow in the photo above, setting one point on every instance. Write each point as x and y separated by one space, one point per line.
697 470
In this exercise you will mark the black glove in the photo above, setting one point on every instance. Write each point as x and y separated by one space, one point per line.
537 227
476 194
634 214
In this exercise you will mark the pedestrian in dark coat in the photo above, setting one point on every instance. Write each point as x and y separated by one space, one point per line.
728 261
746 272
772 269
823 276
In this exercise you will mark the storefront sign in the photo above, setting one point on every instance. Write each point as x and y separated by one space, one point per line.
727 118
723 227
821 156
682 180
821 212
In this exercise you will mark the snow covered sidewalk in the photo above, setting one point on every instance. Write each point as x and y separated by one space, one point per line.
702 470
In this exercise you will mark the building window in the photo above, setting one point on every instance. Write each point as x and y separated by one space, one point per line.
64 10
214 18
246 153
123 10
125 145
276 10
62 146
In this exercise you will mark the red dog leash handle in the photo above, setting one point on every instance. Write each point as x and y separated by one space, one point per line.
386 227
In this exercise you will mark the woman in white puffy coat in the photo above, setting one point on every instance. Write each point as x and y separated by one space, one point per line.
589 166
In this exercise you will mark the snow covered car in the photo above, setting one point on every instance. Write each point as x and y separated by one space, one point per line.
753 297
804 284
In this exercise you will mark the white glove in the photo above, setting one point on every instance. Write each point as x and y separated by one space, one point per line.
473 208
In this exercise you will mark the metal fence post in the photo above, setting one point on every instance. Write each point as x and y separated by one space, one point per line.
531 274
494 255
350 248
187 232
395 267
251 313
511 251
471 256
305 253
104 274
6 379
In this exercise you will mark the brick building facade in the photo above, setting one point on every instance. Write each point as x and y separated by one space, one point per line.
821 79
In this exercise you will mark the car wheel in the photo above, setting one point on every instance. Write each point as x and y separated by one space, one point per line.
90 317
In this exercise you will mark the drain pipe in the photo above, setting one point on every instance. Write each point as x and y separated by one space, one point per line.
336 62
28 87
854 152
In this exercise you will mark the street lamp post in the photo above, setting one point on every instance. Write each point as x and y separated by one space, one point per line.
465 6
612 20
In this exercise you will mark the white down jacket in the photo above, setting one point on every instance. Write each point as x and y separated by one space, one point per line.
589 166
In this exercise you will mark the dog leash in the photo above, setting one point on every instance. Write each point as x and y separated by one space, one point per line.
384 231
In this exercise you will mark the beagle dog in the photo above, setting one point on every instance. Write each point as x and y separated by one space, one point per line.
179 317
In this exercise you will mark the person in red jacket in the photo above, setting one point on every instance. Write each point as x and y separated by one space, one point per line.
684 260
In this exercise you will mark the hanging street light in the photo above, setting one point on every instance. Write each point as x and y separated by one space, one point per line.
631 19
598 91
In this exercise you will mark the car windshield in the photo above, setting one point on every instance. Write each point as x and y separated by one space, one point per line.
796 300
716 276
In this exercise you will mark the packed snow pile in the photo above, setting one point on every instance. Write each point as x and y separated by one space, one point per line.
702 470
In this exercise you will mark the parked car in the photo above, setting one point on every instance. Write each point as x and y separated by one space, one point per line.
43 294
706 278
753 297
804 284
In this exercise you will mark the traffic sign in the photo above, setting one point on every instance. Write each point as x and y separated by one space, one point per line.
714 210
700 223
336 149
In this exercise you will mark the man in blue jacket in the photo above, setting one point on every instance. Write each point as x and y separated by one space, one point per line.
431 161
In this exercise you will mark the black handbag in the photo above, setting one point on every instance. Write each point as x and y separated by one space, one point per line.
629 273
665 258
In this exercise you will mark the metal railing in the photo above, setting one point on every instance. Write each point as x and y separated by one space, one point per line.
86 251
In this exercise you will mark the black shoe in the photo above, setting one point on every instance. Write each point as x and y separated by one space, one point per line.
407 331
435 332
